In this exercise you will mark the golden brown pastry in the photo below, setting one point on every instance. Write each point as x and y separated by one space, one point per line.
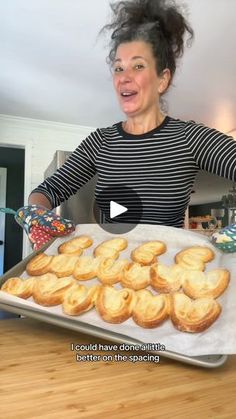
79 299
111 271
76 245
49 290
166 278
111 248
136 276
115 306
193 315
198 284
150 310
39 265
19 287
63 265
146 253
194 257
86 267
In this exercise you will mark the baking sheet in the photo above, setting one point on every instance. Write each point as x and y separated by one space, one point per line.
220 338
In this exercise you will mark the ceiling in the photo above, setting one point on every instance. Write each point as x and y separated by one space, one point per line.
53 63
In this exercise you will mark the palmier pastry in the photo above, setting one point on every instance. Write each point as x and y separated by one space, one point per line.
193 315
79 299
150 310
136 276
39 265
86 267
63 265
146 253
111 271
19 287
111 248
166 278
194 257
211 284
49 290
76 245
115 306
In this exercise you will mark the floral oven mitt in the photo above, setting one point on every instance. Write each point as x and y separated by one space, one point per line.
225 239
40 224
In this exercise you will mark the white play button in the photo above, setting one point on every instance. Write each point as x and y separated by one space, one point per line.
116 209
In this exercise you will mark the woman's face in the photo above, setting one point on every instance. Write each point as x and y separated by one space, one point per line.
135 78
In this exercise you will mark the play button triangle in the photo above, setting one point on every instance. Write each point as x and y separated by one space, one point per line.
116 209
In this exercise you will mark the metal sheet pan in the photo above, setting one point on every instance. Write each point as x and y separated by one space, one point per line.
207 361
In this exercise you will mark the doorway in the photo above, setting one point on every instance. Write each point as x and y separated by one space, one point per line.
13 161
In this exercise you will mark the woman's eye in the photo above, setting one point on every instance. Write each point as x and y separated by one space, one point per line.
139 66
117 69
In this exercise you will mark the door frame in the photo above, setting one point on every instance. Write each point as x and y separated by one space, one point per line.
3 188
27 146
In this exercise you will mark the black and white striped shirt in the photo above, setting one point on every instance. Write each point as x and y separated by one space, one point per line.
160 166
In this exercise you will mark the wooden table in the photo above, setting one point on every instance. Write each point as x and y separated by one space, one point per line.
40 378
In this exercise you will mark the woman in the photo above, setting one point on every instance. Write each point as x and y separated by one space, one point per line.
155 155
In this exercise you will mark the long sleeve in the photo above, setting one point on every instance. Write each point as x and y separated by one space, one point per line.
212 150
74 173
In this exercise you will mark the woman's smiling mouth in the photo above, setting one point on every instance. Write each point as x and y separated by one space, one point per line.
128 94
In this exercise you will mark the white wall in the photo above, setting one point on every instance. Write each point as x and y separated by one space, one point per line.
40 139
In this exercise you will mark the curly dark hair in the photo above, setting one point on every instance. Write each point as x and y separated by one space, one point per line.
158 22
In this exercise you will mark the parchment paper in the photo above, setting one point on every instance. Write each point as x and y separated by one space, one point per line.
220 338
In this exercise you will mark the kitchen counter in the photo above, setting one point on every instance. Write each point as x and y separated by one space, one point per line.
41 378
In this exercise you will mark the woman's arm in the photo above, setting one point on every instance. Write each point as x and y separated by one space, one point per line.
39 199
68 179
213 150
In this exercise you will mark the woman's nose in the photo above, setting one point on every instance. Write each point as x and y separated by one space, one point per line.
126 75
